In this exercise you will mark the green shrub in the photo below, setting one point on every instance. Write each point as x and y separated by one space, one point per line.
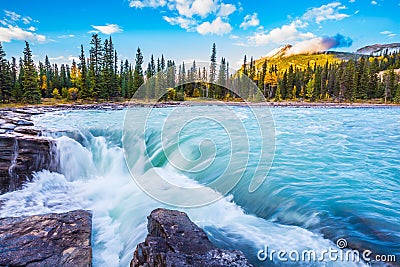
56 94
64 93
73 93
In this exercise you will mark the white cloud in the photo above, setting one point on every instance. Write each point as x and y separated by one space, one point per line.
39 37
136 4
217 27
70 58
183 22
187 8
307 46
16 33
250 21
147 3
66 60
388 33
329 11
12 15
201 8
374 2
356 12
108 29
242 44
352 1
226 9
26 20
66 36
203 16
281 35
11 28
56 58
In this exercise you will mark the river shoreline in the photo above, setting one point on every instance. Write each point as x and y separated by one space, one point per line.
133 104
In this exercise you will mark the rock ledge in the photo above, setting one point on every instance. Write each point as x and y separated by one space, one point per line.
22 149
47 240
174 240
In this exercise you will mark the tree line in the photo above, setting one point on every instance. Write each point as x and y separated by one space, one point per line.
362 78
100 75
97 76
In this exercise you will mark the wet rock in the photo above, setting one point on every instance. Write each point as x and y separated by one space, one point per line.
47 240
8 126
22 150
21 155
29 111
21 122
29 130
174 240
17 119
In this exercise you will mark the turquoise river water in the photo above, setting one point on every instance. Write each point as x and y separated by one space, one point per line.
335 175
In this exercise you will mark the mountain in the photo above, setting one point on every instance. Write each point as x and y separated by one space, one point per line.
379 49
298 61
279 52
282 57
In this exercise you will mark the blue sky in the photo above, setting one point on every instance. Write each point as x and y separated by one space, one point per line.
184 30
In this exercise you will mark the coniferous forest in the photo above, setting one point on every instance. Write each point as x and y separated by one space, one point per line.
100 76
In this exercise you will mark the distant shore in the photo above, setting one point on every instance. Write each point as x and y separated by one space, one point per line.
127 104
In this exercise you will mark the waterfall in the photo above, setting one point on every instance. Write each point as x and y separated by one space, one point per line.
290 211
13 176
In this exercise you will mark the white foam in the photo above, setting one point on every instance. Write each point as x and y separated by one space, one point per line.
96 178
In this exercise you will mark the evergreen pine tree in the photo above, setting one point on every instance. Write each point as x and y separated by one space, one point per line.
317 83
397 96
14 69
5 76
213 71
30 85
245 72
82 77
55 81
63 77
49 74
171 71
18 91
220 93
283 86
290 83
117 78
138 79
372 88
95 59
124 78
162 63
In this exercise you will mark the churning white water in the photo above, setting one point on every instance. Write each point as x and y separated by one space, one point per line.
94 176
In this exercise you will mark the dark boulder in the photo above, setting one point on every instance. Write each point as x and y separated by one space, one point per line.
47 240
174 240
